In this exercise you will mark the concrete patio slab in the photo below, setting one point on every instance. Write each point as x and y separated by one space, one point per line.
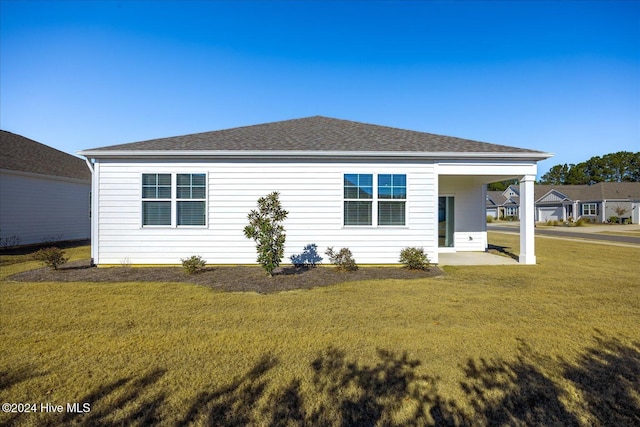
474 258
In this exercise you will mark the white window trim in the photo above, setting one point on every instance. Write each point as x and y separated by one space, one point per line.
590 205
174 201
375 199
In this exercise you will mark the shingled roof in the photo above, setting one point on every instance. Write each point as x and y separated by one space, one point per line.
594 192
317 134
22 154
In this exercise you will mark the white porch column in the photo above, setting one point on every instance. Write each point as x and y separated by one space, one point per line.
527 220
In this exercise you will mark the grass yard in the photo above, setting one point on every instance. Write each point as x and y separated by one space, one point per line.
552 344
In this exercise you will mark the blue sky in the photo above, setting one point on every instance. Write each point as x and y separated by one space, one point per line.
557 76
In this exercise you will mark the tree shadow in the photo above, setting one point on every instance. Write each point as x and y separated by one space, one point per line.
10 378
232 405
514 393
129 396
341 393
608 376
503 250
390 391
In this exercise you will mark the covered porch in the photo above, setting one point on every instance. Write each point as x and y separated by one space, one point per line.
461 201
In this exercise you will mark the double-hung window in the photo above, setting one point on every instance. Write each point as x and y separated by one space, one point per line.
156 199
392 196
191 193
174 199
366 198
358 199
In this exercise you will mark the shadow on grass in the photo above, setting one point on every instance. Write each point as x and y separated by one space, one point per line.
393 391
232 405
10 378
608 376
504 250
135 398
514 393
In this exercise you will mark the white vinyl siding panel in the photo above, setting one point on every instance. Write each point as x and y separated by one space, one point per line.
39 209
311 192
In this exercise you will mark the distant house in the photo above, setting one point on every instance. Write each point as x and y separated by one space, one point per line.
596 202
44 193
371 188
504 204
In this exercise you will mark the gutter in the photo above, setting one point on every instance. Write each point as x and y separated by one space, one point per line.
89 164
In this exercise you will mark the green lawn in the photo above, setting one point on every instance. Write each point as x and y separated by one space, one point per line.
557 343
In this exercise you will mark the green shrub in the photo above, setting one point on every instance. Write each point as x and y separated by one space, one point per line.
343 259
193 264
265 228
52 257
489 218
613 219
414 259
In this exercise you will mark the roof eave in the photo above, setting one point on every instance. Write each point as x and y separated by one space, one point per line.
291 154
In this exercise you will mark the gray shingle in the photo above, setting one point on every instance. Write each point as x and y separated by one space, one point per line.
316 134
26 155
595 192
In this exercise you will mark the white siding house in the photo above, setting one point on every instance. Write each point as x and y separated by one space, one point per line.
44 193
371 188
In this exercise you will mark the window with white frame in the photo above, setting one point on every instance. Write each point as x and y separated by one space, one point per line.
392 196
191 193
511 211
160 199
358 199
156 199
589 209
388 200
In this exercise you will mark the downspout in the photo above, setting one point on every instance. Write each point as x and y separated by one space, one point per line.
92 209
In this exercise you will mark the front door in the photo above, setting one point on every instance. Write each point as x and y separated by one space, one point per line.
445 221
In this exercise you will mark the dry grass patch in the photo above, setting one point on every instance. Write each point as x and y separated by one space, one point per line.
516 345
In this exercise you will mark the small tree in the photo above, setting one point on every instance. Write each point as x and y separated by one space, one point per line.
265 227
51 257
620 211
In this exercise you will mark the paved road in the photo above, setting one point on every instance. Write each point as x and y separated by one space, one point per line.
568 234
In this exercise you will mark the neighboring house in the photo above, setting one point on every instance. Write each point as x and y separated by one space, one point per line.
374 189
503 204
596 202
44 193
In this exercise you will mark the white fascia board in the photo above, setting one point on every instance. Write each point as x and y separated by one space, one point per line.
312 154
506 167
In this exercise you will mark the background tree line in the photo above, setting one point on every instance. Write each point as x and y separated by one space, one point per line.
623 166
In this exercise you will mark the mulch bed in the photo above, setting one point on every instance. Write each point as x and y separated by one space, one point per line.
231 278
